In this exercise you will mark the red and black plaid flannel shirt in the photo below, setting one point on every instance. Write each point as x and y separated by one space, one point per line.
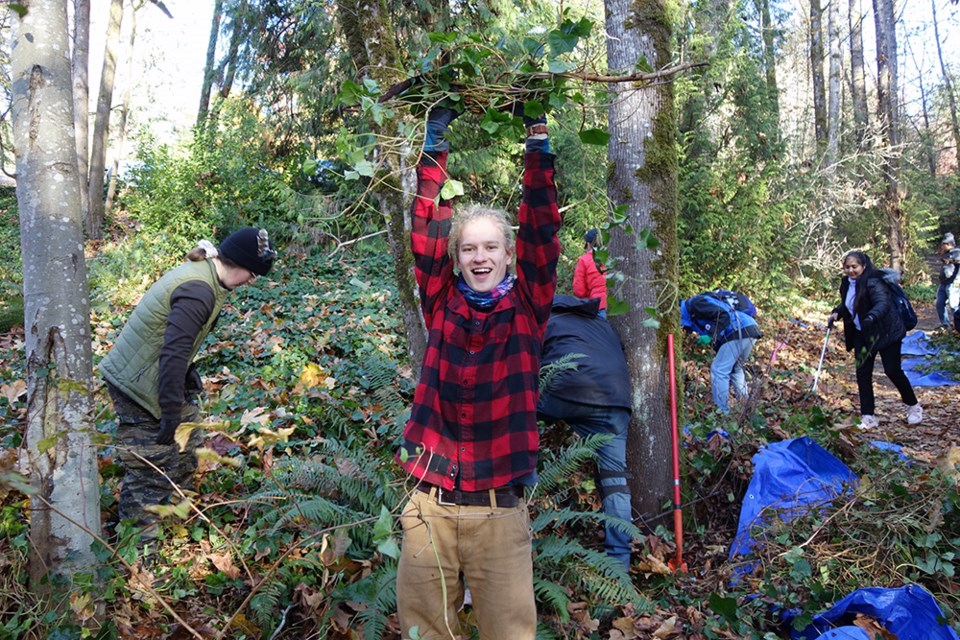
474 419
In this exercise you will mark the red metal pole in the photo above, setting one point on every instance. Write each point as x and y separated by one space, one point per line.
677 563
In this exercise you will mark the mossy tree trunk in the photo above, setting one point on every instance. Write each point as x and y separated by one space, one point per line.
373 49
642 177
60 457
889 111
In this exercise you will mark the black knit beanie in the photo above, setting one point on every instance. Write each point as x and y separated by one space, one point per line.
249 248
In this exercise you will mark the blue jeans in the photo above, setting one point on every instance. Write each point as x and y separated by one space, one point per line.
727 367
942 313
588 420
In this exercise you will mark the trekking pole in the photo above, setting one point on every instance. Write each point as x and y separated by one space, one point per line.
823 351
677 564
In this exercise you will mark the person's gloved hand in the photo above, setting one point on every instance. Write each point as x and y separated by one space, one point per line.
830 320
438 122
867 323
538 138
194 383
703 340
168 427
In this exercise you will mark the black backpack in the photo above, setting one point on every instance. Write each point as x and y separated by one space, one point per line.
900 300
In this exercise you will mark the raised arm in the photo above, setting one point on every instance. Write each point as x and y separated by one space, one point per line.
538 247
431 219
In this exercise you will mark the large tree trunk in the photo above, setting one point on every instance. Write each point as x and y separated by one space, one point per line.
124 112
858 80
948 86
767 32
64 510
642 176
816 69
208 68
370 40
833 93
240 24
887 102
101 125
81 98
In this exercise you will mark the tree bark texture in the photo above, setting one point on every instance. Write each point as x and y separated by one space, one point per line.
948 86
101 124
81 98
833 89
888 108
816 69
227 69
369 35
858 80
767 32
642 176
61 460
124 112
208 67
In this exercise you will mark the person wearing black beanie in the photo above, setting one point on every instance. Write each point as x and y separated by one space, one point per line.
150 375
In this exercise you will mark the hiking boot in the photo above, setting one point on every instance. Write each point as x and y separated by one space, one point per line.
868 422
915 414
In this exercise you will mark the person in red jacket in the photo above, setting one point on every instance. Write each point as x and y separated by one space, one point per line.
470 445
588 278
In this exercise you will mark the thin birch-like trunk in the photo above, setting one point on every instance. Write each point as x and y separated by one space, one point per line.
60 458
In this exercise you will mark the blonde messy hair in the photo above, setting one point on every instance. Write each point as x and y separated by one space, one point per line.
472 212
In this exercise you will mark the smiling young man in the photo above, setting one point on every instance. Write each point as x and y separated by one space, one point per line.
471 442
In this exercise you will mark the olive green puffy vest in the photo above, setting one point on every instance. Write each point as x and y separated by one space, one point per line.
133 364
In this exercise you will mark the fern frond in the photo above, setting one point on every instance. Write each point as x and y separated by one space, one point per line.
549 372
554 595
584 570
377 592
564 516
559 465
265 604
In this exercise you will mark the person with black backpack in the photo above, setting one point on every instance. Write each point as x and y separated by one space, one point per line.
873 325
726 320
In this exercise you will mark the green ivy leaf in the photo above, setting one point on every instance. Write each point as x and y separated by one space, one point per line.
647 240
350 93
558 66
451 189
619 215
309 167
383 534
653 320
20 9
724 607
616 307
594 136
643 65
364 168
442 37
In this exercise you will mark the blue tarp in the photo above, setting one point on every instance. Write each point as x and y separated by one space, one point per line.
924 378
908 612
846 632
917 344
791 477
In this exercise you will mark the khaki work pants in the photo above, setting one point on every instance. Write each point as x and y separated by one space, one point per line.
487 547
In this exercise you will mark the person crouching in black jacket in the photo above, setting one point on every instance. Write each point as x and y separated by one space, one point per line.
872 325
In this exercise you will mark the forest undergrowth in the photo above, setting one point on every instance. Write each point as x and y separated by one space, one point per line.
290 530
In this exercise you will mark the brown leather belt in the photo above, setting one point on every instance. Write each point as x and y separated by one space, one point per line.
504 497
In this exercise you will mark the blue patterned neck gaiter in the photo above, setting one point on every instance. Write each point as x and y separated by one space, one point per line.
487 299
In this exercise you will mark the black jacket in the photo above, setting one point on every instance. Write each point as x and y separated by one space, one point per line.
601 378
880 322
